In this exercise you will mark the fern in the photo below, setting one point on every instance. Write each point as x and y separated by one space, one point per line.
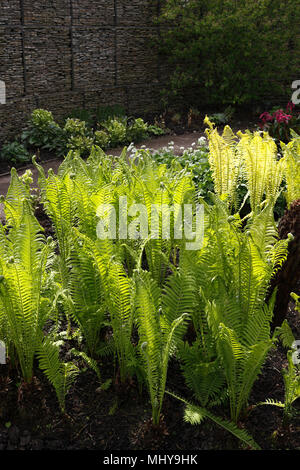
224 161
155 342
60 374
291 376
195 415
24 261
291 161
89 361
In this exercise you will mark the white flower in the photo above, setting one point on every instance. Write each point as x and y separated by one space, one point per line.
202 141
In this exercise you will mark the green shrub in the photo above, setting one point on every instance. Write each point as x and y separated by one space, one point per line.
44 132
228 51
15 152
137 131
117 130
76 127
81 144
101 139
78 135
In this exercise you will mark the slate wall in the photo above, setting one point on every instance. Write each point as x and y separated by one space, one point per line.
64 54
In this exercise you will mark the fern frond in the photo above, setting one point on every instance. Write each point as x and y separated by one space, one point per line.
195 415
60 375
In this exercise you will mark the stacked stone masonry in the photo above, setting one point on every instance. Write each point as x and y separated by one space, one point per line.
66 54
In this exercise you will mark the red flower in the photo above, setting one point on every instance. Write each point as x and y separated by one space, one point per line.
265 117
280 116
290 106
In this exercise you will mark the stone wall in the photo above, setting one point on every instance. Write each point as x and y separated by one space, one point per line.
66 54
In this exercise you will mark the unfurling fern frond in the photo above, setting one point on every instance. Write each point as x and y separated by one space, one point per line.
272 402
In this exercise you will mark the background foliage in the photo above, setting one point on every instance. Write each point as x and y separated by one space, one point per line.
230 52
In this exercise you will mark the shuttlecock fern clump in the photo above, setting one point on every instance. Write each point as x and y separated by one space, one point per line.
157 330
233 272
224 161
249 157
25 260
143 297
264 173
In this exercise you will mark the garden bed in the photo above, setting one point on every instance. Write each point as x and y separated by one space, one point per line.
118 419
132 303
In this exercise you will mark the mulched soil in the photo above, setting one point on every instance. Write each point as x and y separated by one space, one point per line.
119 418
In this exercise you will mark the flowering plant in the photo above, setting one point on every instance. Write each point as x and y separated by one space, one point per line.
279 122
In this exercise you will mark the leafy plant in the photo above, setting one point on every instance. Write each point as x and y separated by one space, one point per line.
224 161
60 374
157 340
102 139
116 128
42 131
137 130
245 33
222 118
25 259
291 376
291 153
279 123
15 153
